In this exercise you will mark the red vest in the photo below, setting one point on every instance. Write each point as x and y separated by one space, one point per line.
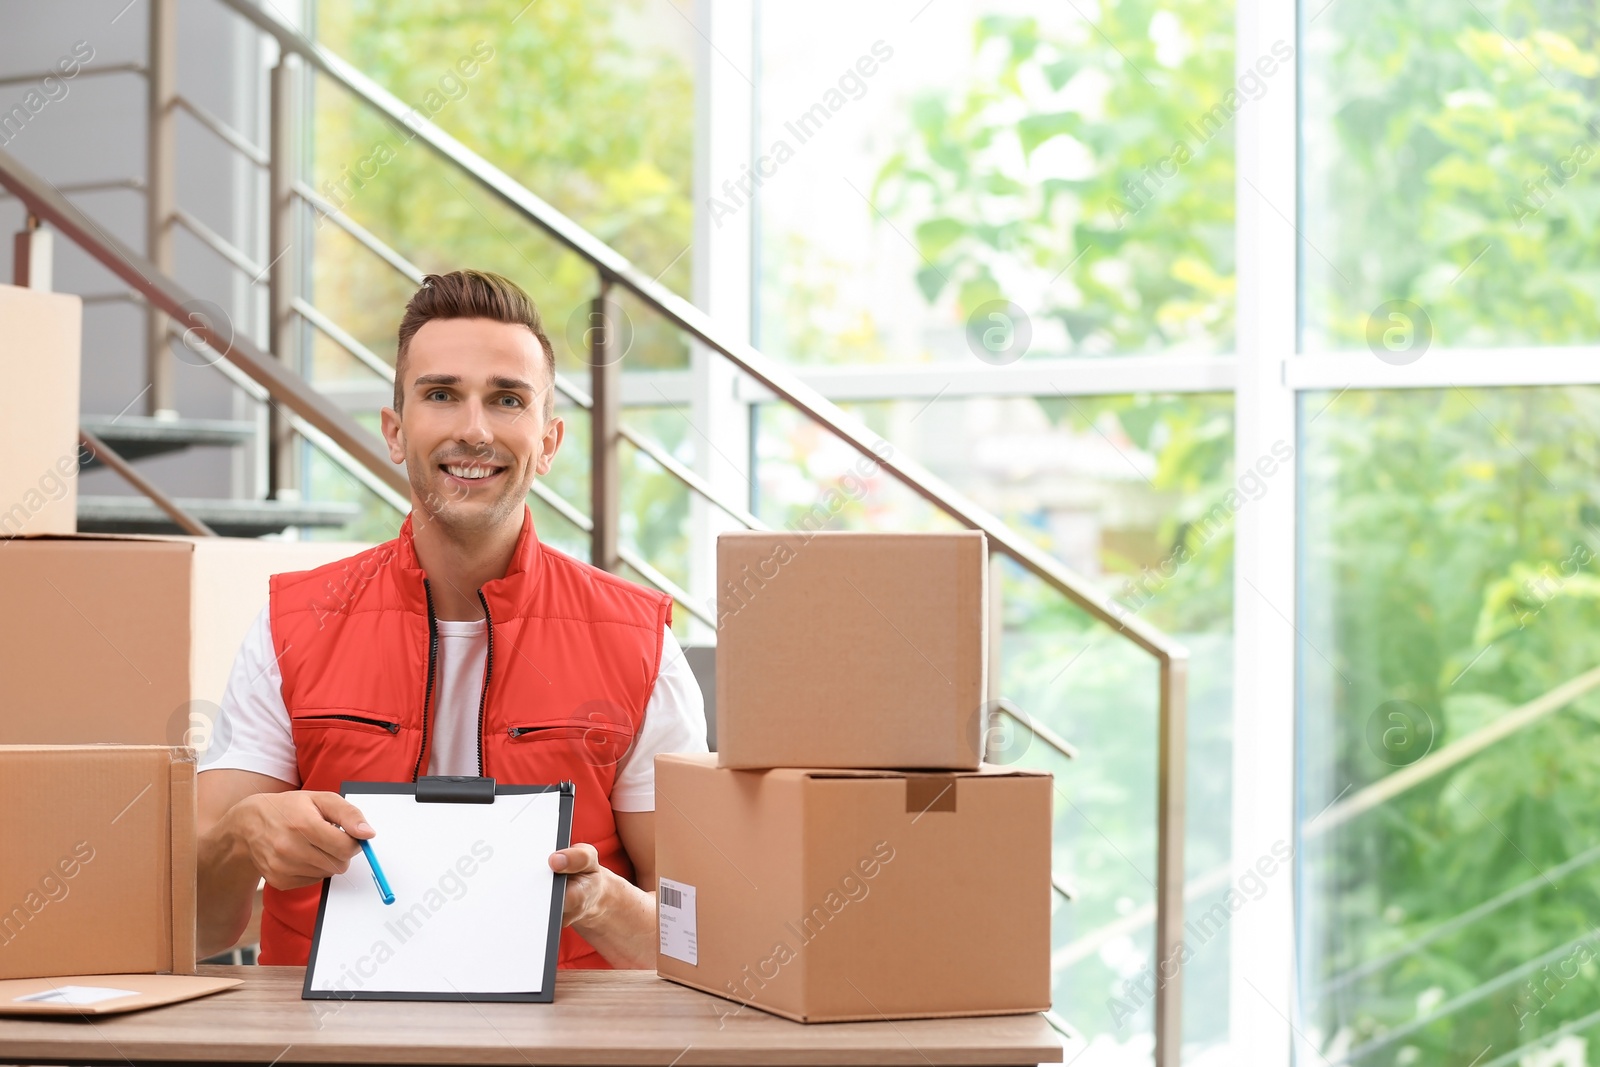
572 659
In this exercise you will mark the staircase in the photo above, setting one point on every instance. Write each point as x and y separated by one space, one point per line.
299 414
135 437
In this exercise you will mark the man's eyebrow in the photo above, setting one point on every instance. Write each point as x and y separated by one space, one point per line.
498 381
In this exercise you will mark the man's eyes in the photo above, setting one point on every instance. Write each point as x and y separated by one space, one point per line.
515 401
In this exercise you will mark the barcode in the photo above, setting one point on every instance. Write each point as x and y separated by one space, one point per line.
672 898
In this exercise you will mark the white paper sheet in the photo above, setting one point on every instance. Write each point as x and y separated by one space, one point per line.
472 885
77 995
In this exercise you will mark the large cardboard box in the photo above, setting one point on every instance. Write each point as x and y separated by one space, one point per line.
851 649
98 874
828 895
39 414
129 639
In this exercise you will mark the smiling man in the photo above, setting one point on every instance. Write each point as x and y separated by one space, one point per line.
462 647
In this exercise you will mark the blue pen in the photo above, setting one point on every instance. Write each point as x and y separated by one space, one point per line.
377 874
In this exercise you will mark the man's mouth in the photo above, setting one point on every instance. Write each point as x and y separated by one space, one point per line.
473 473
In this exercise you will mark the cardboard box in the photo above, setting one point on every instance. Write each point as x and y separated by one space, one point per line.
99 869
851 649
129 639
39 424
830 895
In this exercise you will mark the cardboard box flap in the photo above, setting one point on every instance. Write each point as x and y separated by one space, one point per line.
987 770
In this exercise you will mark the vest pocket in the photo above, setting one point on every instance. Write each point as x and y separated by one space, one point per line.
599 744
340 720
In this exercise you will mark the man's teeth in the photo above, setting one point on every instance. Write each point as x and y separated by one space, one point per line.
471 472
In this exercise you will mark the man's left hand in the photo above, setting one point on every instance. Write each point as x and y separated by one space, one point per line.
588 888
615 916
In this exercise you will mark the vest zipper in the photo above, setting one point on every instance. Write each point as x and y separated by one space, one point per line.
392 727
488 669
427 697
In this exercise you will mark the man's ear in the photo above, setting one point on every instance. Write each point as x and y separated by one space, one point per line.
554 431
393 434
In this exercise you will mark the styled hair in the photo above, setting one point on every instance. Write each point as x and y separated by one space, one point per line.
472 294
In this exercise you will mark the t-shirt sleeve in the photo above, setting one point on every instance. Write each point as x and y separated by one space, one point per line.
251 732
674 721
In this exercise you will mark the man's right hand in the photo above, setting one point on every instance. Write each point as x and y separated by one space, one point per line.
294 838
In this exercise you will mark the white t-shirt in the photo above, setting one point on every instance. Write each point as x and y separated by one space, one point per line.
252 732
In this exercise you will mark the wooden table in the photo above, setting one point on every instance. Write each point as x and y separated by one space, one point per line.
599 1017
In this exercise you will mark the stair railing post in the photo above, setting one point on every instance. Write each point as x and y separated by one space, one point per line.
1172 779
160 162
283 327
33 257
605 365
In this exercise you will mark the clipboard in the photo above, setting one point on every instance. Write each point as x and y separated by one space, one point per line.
467 862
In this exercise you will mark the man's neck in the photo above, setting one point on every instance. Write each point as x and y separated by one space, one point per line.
456 568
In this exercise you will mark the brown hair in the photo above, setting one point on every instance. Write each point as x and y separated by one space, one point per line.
472 294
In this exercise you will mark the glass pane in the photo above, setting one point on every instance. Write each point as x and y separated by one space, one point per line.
1447 153
1450 726
1050 164
1129 491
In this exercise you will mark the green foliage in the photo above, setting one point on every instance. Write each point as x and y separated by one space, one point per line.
565 102
1077 176
1450 159
1450 563
1449 534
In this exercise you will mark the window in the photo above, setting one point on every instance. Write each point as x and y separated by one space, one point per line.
1446 591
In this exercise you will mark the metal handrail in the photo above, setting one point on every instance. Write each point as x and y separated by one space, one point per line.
83 72
363 236
1457 922
1053 740
1409 777
110 457
669 463
236 140
616 270
218 244
1464 1000
665 584
100 186
341 337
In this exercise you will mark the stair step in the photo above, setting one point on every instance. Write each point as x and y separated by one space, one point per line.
230 518
135 436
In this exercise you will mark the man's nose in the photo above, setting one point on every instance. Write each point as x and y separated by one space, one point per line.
474 427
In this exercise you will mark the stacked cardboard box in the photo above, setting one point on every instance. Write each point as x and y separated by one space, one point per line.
846 854
99 871
128 639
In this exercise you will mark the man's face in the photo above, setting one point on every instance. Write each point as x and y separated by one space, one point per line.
472 431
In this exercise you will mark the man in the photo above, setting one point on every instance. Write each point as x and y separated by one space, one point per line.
464 646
